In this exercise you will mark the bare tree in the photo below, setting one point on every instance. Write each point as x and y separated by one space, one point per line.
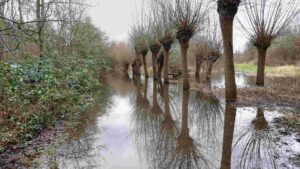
187 16
227 10
36 21
214 47
167 32
154 36
134 38
140 38
265 21
207 48
199 51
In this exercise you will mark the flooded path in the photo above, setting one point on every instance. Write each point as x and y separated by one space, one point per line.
148 125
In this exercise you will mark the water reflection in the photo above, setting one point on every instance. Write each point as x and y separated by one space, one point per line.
187 153
155 126
256 145
229 121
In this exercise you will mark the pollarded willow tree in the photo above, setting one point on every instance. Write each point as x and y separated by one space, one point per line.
227 10
187 17
199 50
214 47
265 21
134 39
139 38
143 49
207 48
167 32
154 36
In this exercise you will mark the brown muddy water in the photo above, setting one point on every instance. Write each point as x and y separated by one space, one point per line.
148 125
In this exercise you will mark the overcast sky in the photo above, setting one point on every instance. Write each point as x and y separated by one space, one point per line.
115 17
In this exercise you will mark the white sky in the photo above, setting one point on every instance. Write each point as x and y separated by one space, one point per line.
115 18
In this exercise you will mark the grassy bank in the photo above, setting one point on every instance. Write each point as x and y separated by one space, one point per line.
276 71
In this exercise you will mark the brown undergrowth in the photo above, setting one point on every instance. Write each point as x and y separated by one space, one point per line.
281 91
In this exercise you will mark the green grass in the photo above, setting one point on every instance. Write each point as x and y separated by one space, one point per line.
280 71
249 68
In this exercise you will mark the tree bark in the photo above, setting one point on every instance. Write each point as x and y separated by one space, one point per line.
154 68
40 17
125 68
160 64
229 121
184 48
136 67
208 71
145 66
20 11
230 85
166 66
198 67
146 88
260 78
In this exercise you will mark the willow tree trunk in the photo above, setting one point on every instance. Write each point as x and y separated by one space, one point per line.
198 67
146 88
145 66
230 85
230 114
208 71
154 65
160 64
166 65
184 48
126 67
136 67
260 77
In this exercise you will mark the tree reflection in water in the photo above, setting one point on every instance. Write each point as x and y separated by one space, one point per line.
158 137
187 153
80 153
175 129
207 114
256 144
207 137
229 121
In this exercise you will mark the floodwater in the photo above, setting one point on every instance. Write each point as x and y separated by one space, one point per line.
148 125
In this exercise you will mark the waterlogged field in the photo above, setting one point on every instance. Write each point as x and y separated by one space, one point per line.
148 125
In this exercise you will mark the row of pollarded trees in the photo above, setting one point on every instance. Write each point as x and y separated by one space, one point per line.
169 20
182 19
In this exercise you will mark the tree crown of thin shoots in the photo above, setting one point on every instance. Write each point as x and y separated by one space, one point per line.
187 17
265 20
